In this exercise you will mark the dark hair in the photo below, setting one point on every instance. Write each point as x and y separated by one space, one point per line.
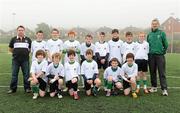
20 26
129 33
88 35
130 55
71 52
40 52
114 60
40 31
89 51
115 31
102 33
54 29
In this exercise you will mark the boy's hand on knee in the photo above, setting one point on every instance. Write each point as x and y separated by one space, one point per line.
74 80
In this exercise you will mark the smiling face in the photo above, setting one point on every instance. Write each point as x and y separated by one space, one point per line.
129 38
155 24
40 58
88 40
141 37
101 37
130 61
115 35
114 64
39 36
56 60
55 34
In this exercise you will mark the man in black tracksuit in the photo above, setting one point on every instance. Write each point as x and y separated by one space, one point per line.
157 49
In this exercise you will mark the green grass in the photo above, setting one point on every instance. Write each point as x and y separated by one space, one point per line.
151 103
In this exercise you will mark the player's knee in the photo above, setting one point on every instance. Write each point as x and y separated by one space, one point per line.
52 94
118 85
97 81
110 78
60 81
33 82
41 93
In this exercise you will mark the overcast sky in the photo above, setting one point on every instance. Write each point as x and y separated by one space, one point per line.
85 13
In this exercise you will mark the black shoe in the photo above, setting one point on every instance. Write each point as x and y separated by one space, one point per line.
11 91
28 90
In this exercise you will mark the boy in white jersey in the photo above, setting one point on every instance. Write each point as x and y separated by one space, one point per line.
55 73
112 77
130 69
37 44
90 72
38 71
54 44
115 46
129 46
87 45
72 72
71 44
102 51
141 59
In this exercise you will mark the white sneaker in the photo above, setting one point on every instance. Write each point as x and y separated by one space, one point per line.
164 93
153 90
65 89
35 96
105 89
59 96
52 81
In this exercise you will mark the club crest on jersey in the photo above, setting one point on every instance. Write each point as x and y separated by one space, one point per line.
118 46
74 69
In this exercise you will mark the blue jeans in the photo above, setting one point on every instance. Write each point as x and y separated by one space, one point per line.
15 71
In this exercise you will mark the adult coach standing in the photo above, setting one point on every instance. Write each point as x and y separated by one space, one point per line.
157 49
20 47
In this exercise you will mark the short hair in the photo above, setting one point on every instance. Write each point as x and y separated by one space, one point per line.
129 33
71 52
102 33
89 52
115 31
88 35
40 31
20 26
130 55
54 29
71 32
56 55
114 60
40 52
156 20
141 33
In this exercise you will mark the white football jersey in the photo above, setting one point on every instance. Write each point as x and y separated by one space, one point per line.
71 70
130 71
142 50
71 45
84 48
39 67
37 46
115 49
128 48
89 69
57 71
54 46
102 48
115 74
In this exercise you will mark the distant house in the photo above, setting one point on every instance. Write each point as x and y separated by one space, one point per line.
171 25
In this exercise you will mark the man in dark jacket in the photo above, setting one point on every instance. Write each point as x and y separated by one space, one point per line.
20 46
157 49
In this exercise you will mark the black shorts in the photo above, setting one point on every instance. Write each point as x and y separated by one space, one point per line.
88 86
42 84
126 84
104 66
71 85
142 65
53 86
